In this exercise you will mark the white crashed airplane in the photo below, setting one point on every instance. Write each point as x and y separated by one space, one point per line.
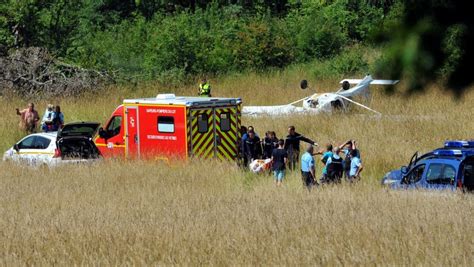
323 102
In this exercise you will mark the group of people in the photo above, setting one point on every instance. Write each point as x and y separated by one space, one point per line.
285 153
335 166
53 119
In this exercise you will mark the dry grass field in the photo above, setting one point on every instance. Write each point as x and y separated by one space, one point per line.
212 213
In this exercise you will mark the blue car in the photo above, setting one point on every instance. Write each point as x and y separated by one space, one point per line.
448 168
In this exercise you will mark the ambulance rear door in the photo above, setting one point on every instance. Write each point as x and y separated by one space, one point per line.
202 132
226 132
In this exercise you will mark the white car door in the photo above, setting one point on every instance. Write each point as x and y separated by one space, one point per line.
34 150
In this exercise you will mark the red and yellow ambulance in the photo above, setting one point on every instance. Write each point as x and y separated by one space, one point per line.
171 126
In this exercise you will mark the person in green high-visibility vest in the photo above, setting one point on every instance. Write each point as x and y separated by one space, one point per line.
204 88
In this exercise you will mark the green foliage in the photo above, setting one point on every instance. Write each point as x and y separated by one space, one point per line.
351 61
172 40
452 49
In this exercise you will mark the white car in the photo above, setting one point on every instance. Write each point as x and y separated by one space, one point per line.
72 144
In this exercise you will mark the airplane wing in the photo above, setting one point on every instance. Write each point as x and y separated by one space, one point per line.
376 82
277 110
384 82
351 81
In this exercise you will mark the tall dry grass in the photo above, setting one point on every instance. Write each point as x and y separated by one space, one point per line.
210 212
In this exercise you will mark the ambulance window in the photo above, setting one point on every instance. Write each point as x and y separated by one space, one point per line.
165 124
114 126
203 120
225 122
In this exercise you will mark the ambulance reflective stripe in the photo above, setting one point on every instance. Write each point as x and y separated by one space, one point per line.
188 132
202 143
227 147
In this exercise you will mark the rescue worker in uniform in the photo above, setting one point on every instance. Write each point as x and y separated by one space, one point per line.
334 167
252 147
292 146
204 88
270 142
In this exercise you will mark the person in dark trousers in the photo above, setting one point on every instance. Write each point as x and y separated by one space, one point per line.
58 119
308 169
356 166
334 168
270 142
279 159
347 147
252 147
325 156
292 146
242 160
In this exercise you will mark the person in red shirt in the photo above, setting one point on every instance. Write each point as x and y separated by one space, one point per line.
29 118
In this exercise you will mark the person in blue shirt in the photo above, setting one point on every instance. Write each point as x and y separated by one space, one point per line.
356 166
308 167
334 167
325 156
58 119
346 148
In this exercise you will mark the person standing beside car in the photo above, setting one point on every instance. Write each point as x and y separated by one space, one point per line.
58 119
29 118
47 120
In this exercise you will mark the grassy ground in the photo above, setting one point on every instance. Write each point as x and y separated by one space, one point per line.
213 213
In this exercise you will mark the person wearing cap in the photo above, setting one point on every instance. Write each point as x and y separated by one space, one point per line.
47 120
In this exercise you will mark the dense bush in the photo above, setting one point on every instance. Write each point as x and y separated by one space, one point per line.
170 40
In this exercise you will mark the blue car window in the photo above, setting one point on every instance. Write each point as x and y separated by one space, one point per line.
415 175
439 173
434 171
